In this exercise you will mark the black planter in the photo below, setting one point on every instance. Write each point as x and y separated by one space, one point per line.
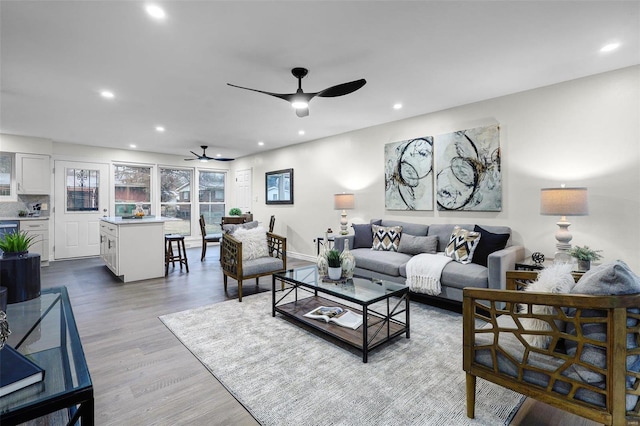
21 276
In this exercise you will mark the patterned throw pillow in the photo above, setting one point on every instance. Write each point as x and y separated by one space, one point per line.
462 244
386 238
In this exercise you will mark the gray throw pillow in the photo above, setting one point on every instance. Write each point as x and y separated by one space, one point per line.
410 244
231 228
613 278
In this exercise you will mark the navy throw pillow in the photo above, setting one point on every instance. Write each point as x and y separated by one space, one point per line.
363 234
489 242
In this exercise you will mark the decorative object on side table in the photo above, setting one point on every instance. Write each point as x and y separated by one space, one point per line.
347 260
235 212
563 202
23 213
333 261
537 257
585 255
343 202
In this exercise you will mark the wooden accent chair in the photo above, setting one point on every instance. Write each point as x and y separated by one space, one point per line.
235 267
272 223
495 349
207 238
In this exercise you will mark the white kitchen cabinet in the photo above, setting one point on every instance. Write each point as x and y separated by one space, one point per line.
133 249
39 229
33 174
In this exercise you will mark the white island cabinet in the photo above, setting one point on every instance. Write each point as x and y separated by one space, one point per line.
133 248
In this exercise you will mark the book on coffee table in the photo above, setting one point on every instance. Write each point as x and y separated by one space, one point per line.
337 315
17 371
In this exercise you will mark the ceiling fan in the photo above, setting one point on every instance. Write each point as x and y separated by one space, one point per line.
300 100
204 157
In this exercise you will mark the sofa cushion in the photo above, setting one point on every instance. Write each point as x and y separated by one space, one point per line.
462 244
363 234
411 244
383 262
261 265
386 238
461 275
416 229
443 232
489 242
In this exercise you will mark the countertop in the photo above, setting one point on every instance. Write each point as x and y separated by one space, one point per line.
145 219
25 218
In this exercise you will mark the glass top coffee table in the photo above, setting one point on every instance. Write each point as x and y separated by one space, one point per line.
384 305
44 330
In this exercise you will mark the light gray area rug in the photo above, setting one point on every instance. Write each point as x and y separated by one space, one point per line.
285 375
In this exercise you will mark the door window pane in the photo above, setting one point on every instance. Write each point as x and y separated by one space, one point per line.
132 186
82 189
175 200
211 198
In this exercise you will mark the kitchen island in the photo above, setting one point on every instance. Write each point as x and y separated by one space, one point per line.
133 249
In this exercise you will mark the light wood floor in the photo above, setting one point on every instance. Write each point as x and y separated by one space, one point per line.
142 374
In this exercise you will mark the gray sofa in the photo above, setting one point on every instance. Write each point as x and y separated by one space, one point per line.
391 265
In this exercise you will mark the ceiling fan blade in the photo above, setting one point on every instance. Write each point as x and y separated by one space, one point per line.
342 89
223 159
286 96
190 159
197 155
302 112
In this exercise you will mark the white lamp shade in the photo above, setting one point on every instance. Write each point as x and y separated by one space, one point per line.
564 202
343 201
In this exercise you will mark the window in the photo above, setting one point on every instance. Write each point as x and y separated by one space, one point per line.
175 200
132 186
82 190
7 177
211 198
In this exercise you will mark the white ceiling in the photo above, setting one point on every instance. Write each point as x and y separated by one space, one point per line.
56 56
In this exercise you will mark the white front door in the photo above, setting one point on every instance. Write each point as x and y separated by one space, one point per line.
81 199
243 190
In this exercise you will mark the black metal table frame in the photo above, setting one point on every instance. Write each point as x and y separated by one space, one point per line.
79 402
382 319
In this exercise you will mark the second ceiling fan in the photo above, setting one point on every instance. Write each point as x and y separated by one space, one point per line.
300 100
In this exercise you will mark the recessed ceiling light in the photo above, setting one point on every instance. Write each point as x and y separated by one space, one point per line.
155 11
609 47
132 145
397 106
301 132
261 143
107 94
159 129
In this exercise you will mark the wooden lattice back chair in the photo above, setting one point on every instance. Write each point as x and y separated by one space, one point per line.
235 267
496 348
272 223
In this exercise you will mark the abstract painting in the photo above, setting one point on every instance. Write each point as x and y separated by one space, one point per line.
409 174
468 170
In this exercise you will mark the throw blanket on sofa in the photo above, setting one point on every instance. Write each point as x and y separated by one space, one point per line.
424 271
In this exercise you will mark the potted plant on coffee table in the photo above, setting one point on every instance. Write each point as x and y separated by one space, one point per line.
19 269
585 255
335 267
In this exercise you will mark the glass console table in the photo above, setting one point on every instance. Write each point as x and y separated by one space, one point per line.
44 329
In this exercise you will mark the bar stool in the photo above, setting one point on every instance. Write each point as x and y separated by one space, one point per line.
170 256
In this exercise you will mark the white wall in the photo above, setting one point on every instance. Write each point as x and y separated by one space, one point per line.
584 132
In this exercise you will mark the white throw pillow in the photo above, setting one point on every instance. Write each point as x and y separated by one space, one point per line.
254 242
556 279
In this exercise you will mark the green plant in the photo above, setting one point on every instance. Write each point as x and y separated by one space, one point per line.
585 253
16 242
235 212
333 258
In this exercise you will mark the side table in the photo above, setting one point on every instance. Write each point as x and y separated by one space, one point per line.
320 242
530 265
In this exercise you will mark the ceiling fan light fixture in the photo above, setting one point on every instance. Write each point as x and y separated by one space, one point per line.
204 160
299 103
